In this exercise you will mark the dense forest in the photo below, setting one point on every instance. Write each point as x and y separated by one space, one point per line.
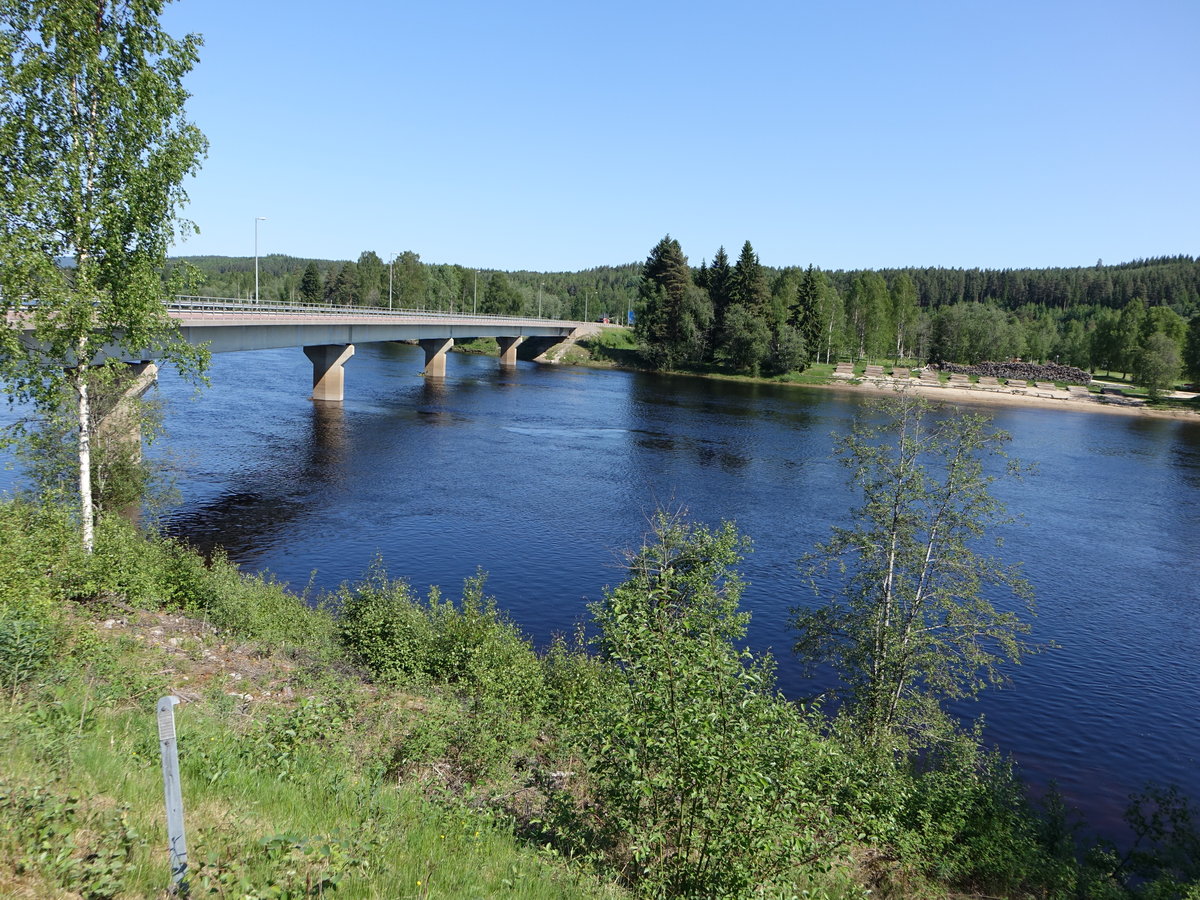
743 316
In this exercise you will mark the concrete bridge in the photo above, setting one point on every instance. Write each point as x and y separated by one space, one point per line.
328 334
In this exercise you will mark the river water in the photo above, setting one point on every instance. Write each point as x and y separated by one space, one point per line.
543 476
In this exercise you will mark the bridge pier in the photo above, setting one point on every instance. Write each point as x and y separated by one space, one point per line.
435 355
329 378
117 429
508 350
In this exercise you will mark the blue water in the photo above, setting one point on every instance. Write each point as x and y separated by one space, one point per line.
545 476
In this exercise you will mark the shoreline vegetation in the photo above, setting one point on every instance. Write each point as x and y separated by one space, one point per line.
376 743
614 348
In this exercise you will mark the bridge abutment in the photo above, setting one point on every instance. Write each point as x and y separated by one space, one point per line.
329 378
534 348
435 355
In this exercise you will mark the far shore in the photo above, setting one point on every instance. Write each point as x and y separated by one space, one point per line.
1122 406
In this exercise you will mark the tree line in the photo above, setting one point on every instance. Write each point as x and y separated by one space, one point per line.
406 282
747 317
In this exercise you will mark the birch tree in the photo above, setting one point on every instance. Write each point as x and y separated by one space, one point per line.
904 611
94 148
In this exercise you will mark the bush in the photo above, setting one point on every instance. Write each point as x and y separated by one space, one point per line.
701 774
385 629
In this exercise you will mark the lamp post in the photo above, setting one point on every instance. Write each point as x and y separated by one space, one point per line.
540 286
390 264
257 219
475 302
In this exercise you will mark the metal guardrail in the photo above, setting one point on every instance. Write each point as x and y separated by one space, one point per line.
185 303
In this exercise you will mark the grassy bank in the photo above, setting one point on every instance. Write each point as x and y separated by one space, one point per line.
377 743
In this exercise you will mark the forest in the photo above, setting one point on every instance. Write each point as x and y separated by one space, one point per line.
742 316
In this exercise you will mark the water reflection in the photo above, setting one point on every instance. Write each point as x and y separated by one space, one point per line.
547 471
273 496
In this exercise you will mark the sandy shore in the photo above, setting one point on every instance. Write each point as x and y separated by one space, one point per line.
1004 397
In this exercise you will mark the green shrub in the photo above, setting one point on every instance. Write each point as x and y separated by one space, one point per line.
702 775
34 544
385 628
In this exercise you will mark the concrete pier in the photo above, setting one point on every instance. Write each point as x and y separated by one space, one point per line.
329 378
435 355
508 350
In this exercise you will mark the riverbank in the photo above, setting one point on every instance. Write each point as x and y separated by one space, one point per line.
1001 395
1123 406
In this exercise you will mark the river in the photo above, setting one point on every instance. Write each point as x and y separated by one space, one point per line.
543 476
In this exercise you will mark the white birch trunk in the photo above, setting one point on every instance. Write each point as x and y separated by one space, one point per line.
87 513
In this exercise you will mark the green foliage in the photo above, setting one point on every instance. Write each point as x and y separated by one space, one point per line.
27 647
1157 365
385 628
674 314
745 340
83 851
868 308
311 289
500 298
470 646
95 148
971 333
280 742
280 867
698 768
905 314
907 624
1191 353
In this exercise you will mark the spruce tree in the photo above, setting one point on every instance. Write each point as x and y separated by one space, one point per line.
674 314
718 283
805 314
311 288
748 283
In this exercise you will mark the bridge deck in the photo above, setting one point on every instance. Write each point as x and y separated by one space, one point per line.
231 326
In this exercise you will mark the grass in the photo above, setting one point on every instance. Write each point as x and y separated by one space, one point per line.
607 347
484 346
271 803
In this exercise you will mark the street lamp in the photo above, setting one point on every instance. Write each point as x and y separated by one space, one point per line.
540 286
475 302
257 219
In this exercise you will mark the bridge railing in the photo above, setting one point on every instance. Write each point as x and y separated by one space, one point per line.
186 303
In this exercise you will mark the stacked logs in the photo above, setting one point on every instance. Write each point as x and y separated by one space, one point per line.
1021 371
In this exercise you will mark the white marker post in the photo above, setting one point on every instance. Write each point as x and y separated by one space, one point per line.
169 749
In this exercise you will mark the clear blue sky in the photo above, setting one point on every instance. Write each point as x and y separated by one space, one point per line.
559 136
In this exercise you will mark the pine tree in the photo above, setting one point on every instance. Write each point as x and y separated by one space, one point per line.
345 285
